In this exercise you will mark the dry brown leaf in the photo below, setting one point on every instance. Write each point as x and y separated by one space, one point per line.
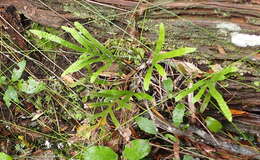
68 79
125 133
186 68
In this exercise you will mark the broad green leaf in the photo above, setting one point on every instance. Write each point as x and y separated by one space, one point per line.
141 96
178 114
187 91
160 70
99 153
160 41
31 86
2 80
10 95
198 96
220 100
17 73
95 42
77 36
175 53
147 78
146 125
137 149
4 156
56 39
205 103
168 85
213 124
99 71
187 157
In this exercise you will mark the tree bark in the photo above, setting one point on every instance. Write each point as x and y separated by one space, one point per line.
209 26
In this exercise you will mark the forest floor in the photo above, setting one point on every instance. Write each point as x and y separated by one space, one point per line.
140 98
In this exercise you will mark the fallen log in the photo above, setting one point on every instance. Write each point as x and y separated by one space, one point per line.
223 32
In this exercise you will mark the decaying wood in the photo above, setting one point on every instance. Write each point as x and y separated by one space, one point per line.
200 136
188 24
10 23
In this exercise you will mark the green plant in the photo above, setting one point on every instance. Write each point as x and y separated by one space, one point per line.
178 114
99 153
43 44
146 125
210 83
187 157
115 100
137 149
134 150
93 51
213 124
158 57
4 156
16 84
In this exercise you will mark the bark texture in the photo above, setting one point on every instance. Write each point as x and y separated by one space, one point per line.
188 23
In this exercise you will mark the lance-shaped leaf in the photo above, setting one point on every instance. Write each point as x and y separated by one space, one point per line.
56 39
147 78
189 90
220 100
175 53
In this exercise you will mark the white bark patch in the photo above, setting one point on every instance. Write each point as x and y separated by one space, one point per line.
228 26
244 40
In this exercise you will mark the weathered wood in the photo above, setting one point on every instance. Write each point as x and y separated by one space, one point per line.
196 24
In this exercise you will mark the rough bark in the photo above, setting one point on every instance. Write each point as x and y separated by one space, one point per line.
194 24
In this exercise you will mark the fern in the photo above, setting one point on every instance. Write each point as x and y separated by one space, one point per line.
92 50
210 83
158 57
115 100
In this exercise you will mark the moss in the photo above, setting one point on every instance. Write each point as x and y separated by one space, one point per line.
253 20
87 11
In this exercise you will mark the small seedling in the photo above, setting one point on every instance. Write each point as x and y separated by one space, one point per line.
16 84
